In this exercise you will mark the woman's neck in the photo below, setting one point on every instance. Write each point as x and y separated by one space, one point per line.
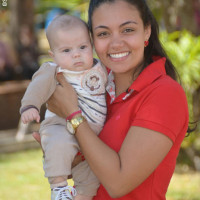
124 80
122 83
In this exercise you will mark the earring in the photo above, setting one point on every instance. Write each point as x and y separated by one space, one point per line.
146 43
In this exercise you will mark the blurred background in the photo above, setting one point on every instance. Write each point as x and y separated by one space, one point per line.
23 48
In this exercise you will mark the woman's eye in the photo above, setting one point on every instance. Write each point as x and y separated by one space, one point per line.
83 47
66 50
128 30
102 34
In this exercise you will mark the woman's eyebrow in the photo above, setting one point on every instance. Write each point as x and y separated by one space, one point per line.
101 26
123 24
128 22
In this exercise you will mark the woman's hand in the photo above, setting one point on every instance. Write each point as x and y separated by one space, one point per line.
37 137
64 100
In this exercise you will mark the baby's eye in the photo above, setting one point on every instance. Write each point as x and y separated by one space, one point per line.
83 47
66 50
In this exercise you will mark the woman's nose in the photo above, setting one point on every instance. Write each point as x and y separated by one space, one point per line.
116 42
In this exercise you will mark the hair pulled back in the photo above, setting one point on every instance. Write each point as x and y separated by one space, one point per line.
154 48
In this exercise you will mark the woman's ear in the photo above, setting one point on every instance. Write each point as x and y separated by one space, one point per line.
147 32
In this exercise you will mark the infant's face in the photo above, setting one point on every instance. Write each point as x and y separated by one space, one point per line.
72 49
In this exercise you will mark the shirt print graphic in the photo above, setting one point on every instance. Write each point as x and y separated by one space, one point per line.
93 82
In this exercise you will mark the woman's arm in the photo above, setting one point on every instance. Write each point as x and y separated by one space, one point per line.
141 151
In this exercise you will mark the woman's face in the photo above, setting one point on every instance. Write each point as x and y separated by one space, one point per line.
119 35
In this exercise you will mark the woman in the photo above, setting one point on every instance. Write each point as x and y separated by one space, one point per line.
135 155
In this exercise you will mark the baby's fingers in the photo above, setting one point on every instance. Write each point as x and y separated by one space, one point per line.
24 120
34 116
37 118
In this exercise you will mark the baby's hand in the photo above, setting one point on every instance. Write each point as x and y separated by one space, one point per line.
30 115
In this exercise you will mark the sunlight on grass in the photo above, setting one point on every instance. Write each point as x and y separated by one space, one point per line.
184 187
22 178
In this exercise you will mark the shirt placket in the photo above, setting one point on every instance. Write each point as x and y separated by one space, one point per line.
110 88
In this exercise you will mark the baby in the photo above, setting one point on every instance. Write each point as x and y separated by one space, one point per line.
72 52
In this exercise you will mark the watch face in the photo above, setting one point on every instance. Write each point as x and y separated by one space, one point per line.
70 127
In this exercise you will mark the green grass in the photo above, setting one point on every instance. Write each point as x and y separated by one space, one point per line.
22 178
184 187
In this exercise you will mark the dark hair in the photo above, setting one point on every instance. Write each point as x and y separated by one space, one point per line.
154 48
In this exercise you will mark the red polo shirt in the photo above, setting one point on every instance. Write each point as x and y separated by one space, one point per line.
155 101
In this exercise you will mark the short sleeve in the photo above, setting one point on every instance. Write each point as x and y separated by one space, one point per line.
164 110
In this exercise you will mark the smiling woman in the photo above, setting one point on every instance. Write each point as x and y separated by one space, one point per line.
118 38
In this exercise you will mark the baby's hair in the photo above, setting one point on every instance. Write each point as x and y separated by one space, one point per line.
63 22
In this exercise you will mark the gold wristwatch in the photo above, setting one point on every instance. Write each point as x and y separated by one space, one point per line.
74 123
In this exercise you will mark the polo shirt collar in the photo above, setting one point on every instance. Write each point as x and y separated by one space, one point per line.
149 74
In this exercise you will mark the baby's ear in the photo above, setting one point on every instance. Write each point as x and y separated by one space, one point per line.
51 54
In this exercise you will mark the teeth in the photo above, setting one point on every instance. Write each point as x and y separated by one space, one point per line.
119 55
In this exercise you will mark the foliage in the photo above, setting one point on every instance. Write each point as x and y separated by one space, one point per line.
77 6
72 4
184 51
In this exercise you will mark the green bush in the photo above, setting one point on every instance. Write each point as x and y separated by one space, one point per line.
183 49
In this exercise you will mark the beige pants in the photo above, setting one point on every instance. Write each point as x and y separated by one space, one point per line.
60 148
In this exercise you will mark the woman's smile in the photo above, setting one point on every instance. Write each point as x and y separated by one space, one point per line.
119 56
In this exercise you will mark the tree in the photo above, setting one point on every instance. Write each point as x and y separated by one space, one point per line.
23 36
179 14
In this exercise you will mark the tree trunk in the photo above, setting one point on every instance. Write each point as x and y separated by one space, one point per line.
169 14
187 16
23 36
179 14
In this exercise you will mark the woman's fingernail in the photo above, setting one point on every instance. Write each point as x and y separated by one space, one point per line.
59 73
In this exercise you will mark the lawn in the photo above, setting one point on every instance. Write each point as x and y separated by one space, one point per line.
22 178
